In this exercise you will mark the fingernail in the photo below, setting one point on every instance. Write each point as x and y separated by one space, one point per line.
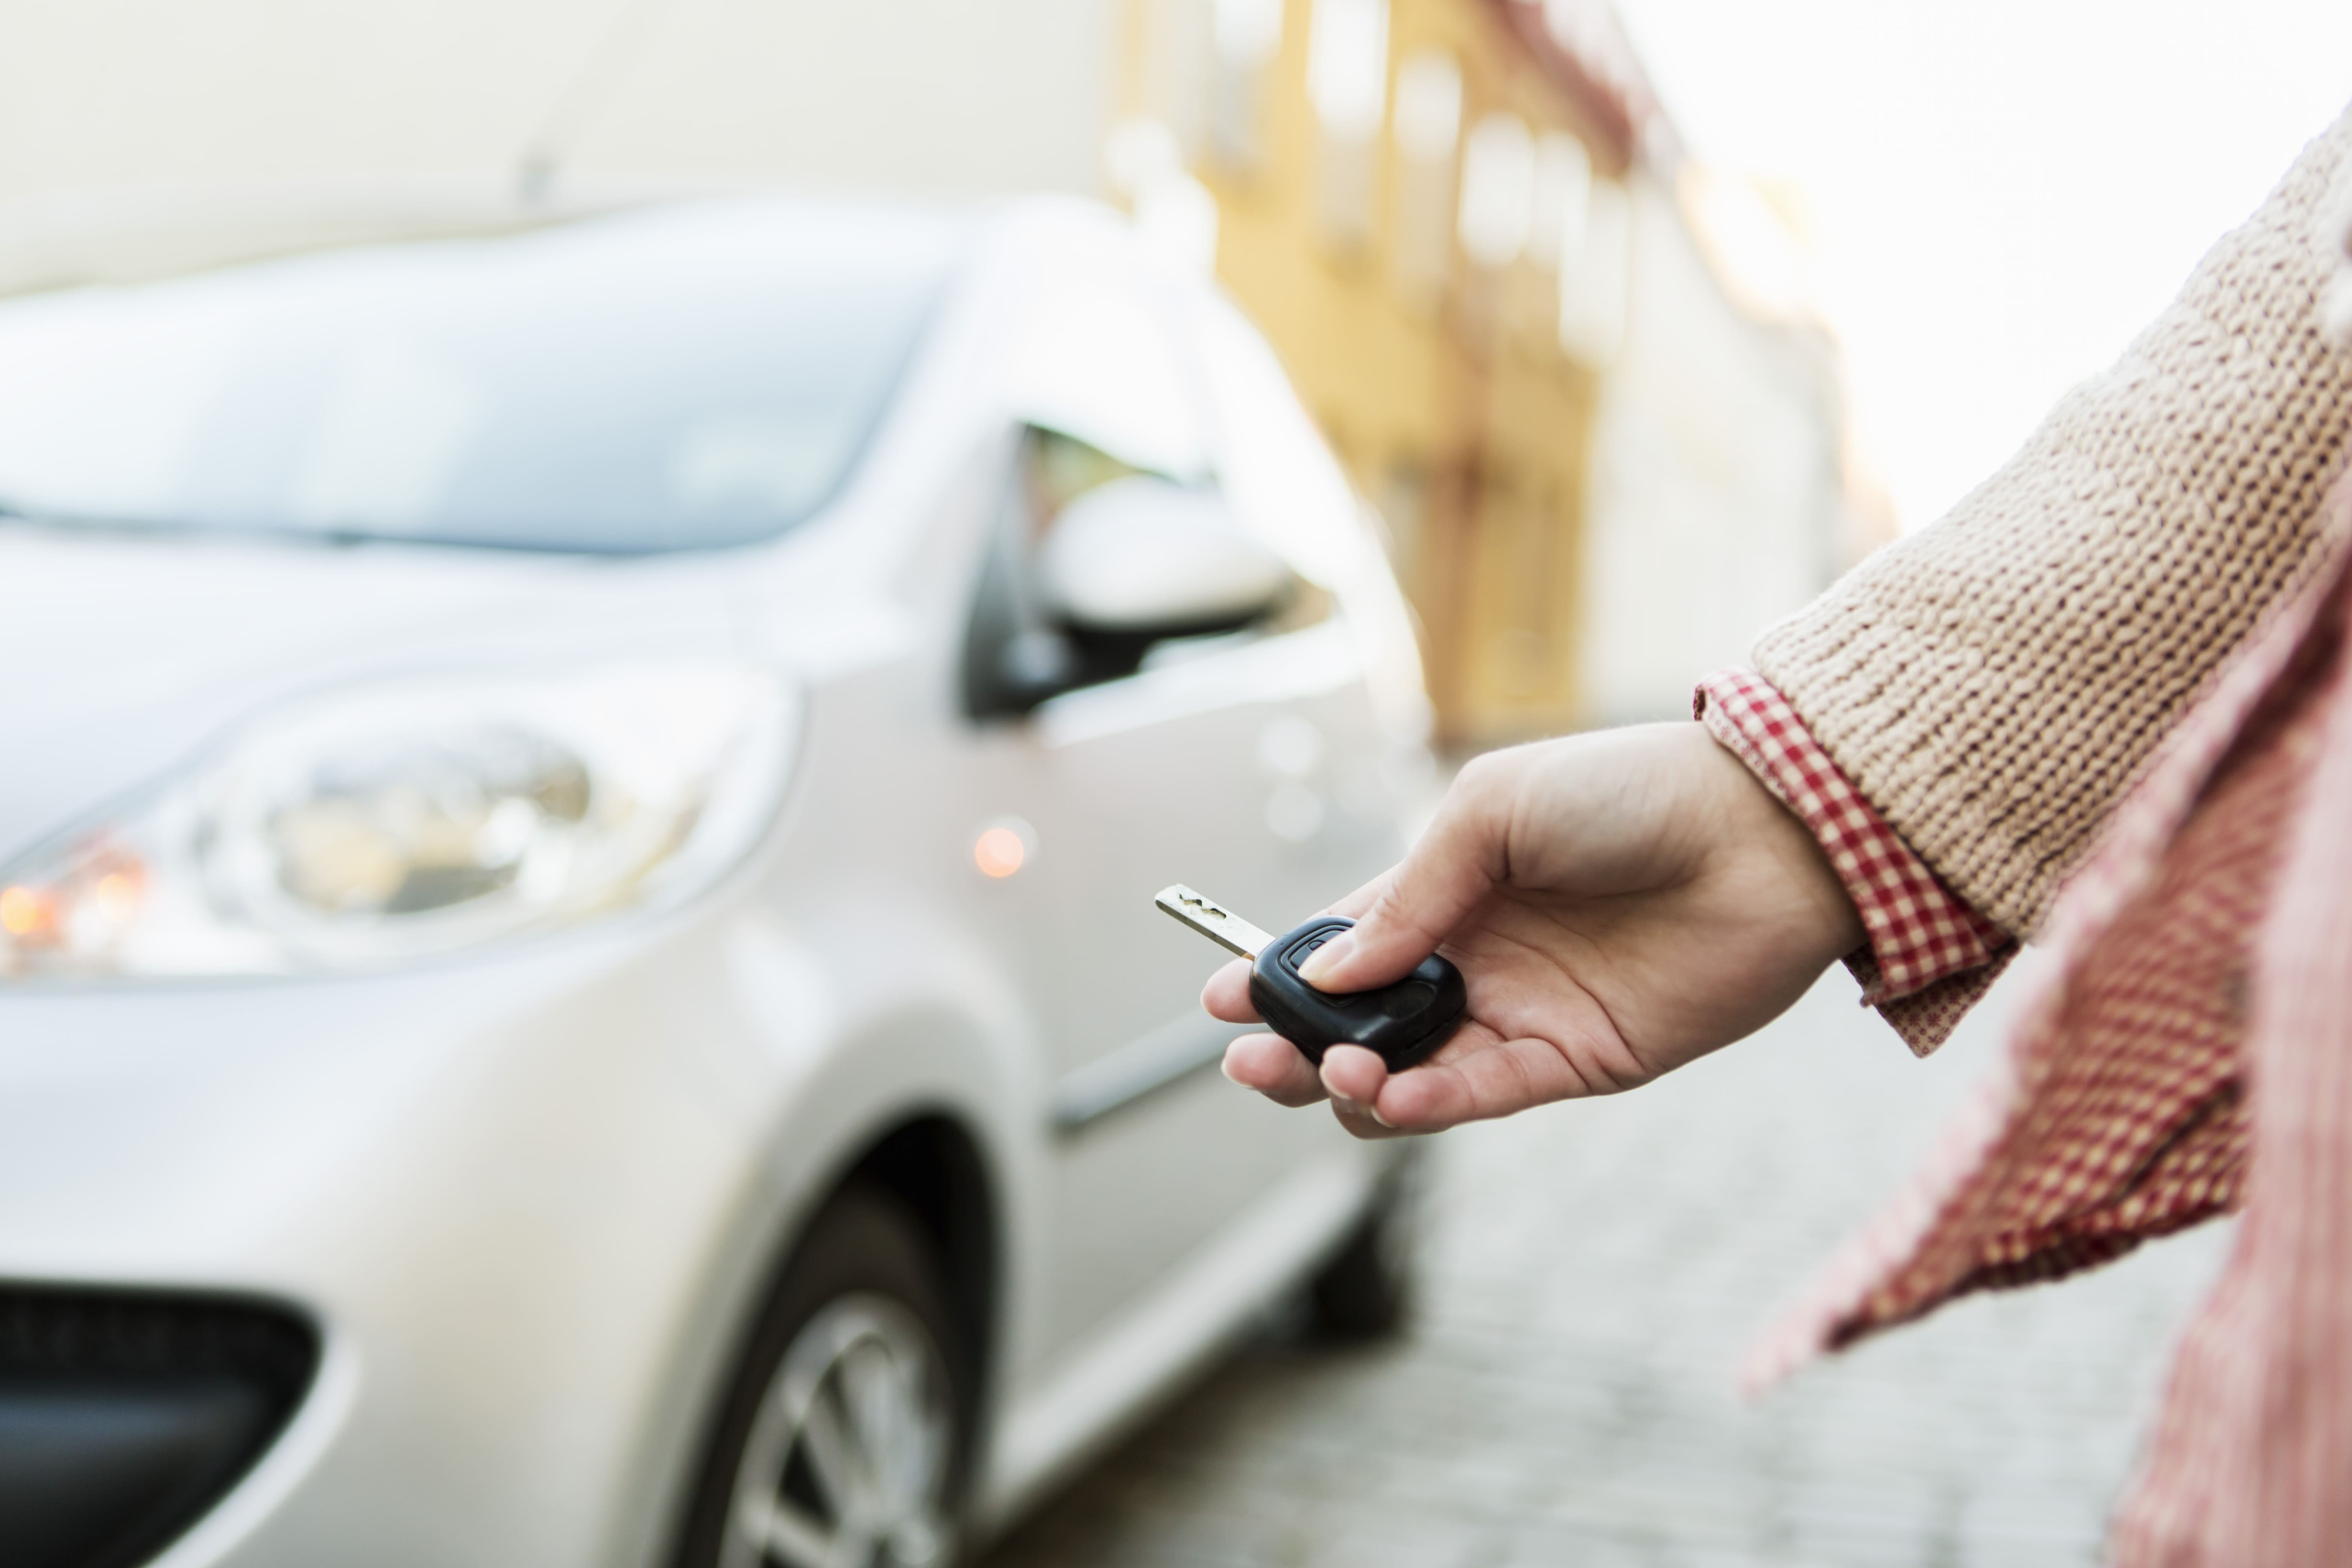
1373 1110
1327 958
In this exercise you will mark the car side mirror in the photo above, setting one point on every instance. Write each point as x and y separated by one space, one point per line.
1141 559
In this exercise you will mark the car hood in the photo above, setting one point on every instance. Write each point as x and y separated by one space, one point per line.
122 655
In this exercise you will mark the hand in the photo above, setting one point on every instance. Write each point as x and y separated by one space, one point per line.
1620 904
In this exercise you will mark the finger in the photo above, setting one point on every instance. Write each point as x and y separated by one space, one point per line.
1226 995
1425 896
1353 1075
1361 1125
1478 1076
1271 1065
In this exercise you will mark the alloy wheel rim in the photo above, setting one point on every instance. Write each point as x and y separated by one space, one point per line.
846 1465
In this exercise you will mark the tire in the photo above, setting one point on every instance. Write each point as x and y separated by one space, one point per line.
841 1437
1368 1287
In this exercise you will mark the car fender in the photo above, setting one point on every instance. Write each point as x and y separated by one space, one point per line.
841 1052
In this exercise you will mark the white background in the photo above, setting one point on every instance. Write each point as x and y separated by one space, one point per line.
2001 193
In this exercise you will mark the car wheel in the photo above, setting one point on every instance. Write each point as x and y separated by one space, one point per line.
839 1442
1366 1288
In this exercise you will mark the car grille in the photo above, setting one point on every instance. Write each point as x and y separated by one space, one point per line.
125 1414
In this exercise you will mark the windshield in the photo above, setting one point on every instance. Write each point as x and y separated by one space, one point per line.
670 379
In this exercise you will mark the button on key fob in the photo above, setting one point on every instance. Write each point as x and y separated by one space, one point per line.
1403 1022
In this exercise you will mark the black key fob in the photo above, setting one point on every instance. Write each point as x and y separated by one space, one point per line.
1403 1022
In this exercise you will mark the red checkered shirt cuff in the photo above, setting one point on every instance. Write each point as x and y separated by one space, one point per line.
1930 955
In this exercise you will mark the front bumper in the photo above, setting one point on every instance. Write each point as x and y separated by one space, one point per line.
476 1213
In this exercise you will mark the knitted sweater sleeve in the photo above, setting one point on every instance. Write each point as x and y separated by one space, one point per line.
1992 683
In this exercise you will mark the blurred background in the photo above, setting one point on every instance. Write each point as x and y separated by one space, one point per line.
1577 372
1636 326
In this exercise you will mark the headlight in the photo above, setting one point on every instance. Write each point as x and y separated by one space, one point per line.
384 823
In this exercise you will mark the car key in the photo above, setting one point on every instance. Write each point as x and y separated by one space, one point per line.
1403 1022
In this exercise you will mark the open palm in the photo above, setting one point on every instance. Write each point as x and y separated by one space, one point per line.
1619 903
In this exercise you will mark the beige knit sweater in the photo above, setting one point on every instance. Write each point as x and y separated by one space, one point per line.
1993 682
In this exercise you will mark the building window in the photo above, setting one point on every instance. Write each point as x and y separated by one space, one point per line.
1594 279
1563 189
1499 173
1428 127
1346 82
1178 67
1247 35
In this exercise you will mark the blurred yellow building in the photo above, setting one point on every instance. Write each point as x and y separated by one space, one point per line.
1400 188
1426 204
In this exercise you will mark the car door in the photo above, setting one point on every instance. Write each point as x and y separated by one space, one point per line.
1248 764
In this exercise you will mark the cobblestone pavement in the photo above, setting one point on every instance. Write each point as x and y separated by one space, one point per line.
1565 1399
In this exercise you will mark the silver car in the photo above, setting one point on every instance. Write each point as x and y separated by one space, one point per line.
578 982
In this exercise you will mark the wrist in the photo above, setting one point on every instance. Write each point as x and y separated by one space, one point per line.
1771 845
1928 953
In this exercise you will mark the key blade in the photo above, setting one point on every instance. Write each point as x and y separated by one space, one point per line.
1213 920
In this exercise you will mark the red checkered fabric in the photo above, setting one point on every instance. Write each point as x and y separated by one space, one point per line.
1930 955
2186 1050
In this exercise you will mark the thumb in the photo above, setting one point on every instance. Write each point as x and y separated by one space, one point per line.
1418 901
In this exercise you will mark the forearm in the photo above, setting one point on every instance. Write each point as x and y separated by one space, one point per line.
1992 683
